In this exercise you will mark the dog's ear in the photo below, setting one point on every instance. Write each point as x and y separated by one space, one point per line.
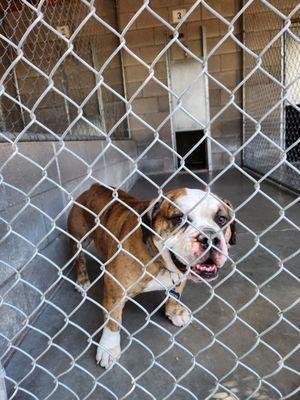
149 217
232 239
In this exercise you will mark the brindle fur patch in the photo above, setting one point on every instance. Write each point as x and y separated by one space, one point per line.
162 223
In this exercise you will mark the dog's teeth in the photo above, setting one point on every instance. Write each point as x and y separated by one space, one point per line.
204 267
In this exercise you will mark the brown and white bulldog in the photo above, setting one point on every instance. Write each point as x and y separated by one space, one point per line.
183 235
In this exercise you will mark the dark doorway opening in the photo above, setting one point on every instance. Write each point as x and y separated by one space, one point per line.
185 141
292 133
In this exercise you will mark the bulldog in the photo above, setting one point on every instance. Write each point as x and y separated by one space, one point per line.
146 246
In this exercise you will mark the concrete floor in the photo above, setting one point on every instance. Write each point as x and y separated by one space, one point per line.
161 360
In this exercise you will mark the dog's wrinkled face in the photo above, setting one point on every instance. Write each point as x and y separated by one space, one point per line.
197 229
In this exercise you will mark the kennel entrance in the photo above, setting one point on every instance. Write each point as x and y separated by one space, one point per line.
190 105
187 141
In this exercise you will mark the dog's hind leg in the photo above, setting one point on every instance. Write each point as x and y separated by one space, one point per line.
82 277
78 227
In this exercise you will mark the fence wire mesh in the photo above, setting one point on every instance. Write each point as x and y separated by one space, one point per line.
272 92
63 78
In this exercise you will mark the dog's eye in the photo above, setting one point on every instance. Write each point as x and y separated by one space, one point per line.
177 219
221 219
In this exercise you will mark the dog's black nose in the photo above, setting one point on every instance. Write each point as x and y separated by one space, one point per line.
205 241
216 241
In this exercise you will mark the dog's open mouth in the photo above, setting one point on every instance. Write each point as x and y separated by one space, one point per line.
207 269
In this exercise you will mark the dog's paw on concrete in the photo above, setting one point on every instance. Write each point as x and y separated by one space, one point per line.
109 348
106 357
179 316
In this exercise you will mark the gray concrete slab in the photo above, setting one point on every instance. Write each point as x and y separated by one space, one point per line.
159 359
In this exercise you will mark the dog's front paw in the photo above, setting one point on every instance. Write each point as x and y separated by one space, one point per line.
106 357
179 316
109 348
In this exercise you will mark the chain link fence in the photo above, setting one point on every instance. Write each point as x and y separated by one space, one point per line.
271 92
43 49
71 71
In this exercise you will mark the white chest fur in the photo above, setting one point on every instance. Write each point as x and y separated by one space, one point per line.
164 280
